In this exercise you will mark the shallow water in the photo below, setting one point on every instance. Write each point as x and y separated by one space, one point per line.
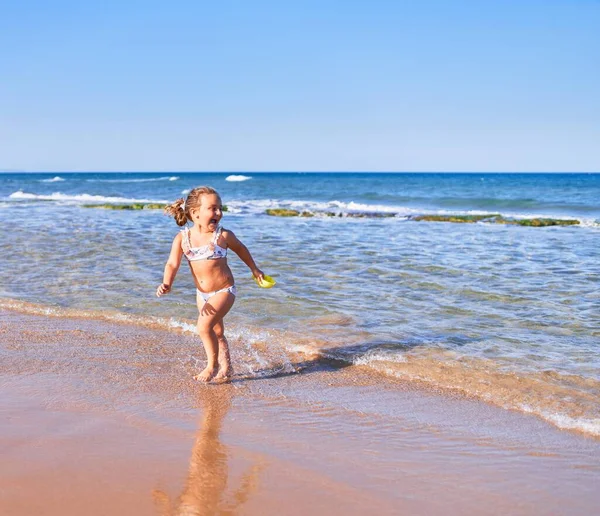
507 314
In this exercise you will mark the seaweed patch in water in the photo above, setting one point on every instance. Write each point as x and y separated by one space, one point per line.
496 219
132 206
490 218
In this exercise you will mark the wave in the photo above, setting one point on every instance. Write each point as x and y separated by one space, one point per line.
357 209
332 208
141 180
254 206
238 178
55 179
335 206
265 357
51 311
78 198
568 402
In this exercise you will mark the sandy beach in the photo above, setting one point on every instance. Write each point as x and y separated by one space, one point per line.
420 180
101 418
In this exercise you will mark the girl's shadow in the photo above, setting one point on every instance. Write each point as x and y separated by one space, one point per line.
316 364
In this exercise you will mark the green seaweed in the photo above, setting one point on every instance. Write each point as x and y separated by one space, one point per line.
496 219
493 218
371 215
541 222
132 206
282 212
461 219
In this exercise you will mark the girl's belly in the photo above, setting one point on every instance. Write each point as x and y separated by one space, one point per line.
212 275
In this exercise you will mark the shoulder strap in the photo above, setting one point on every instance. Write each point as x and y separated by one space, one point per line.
185 240
217 234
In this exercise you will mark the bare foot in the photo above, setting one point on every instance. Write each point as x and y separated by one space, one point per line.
206 375
225 373
225 370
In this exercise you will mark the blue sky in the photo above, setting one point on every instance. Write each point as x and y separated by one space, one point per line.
306 85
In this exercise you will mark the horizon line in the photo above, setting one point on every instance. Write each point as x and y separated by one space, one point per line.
17 171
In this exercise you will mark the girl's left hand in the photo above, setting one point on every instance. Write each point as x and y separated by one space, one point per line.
258 274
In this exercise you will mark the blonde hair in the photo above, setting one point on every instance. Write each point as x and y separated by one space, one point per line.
180 210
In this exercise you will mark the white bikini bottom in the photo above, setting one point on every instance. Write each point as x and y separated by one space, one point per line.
207 295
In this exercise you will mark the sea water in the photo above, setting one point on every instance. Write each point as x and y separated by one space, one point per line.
504 313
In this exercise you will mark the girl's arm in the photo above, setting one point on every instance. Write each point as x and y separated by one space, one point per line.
242 251
171 267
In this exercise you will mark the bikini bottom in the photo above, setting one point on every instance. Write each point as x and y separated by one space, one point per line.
207 295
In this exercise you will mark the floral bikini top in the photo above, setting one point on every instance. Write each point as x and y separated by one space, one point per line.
210 251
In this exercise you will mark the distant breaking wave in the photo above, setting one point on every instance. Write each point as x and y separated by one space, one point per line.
344 209
260 205
146 180
235 178
328 209
78 199
340 208
55 179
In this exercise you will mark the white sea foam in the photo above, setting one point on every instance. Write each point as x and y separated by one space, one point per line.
373 357
360 208
55 179
262 355
184 326
79 198
564 422
238 178
590 223
140 180
141 320
384 363
319 208
258 206
346 207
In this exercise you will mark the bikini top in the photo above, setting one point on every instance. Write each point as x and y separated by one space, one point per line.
210 251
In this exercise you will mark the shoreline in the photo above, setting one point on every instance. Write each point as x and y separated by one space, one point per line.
105 413
431 371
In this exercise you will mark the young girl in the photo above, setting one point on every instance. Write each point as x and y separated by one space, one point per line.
205 246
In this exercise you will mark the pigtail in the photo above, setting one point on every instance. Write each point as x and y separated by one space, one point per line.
178 211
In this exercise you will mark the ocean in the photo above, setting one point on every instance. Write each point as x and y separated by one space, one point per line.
504 313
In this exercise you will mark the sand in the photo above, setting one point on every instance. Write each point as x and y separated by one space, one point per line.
104 418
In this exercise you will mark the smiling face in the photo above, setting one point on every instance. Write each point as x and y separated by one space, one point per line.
209 213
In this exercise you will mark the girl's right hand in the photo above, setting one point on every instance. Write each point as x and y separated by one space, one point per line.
162 289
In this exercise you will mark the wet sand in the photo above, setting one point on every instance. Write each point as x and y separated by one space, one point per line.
103 418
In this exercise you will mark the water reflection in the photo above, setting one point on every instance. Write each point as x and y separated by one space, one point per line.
205 491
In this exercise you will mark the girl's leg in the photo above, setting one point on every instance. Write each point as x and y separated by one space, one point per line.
225 369
210 314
